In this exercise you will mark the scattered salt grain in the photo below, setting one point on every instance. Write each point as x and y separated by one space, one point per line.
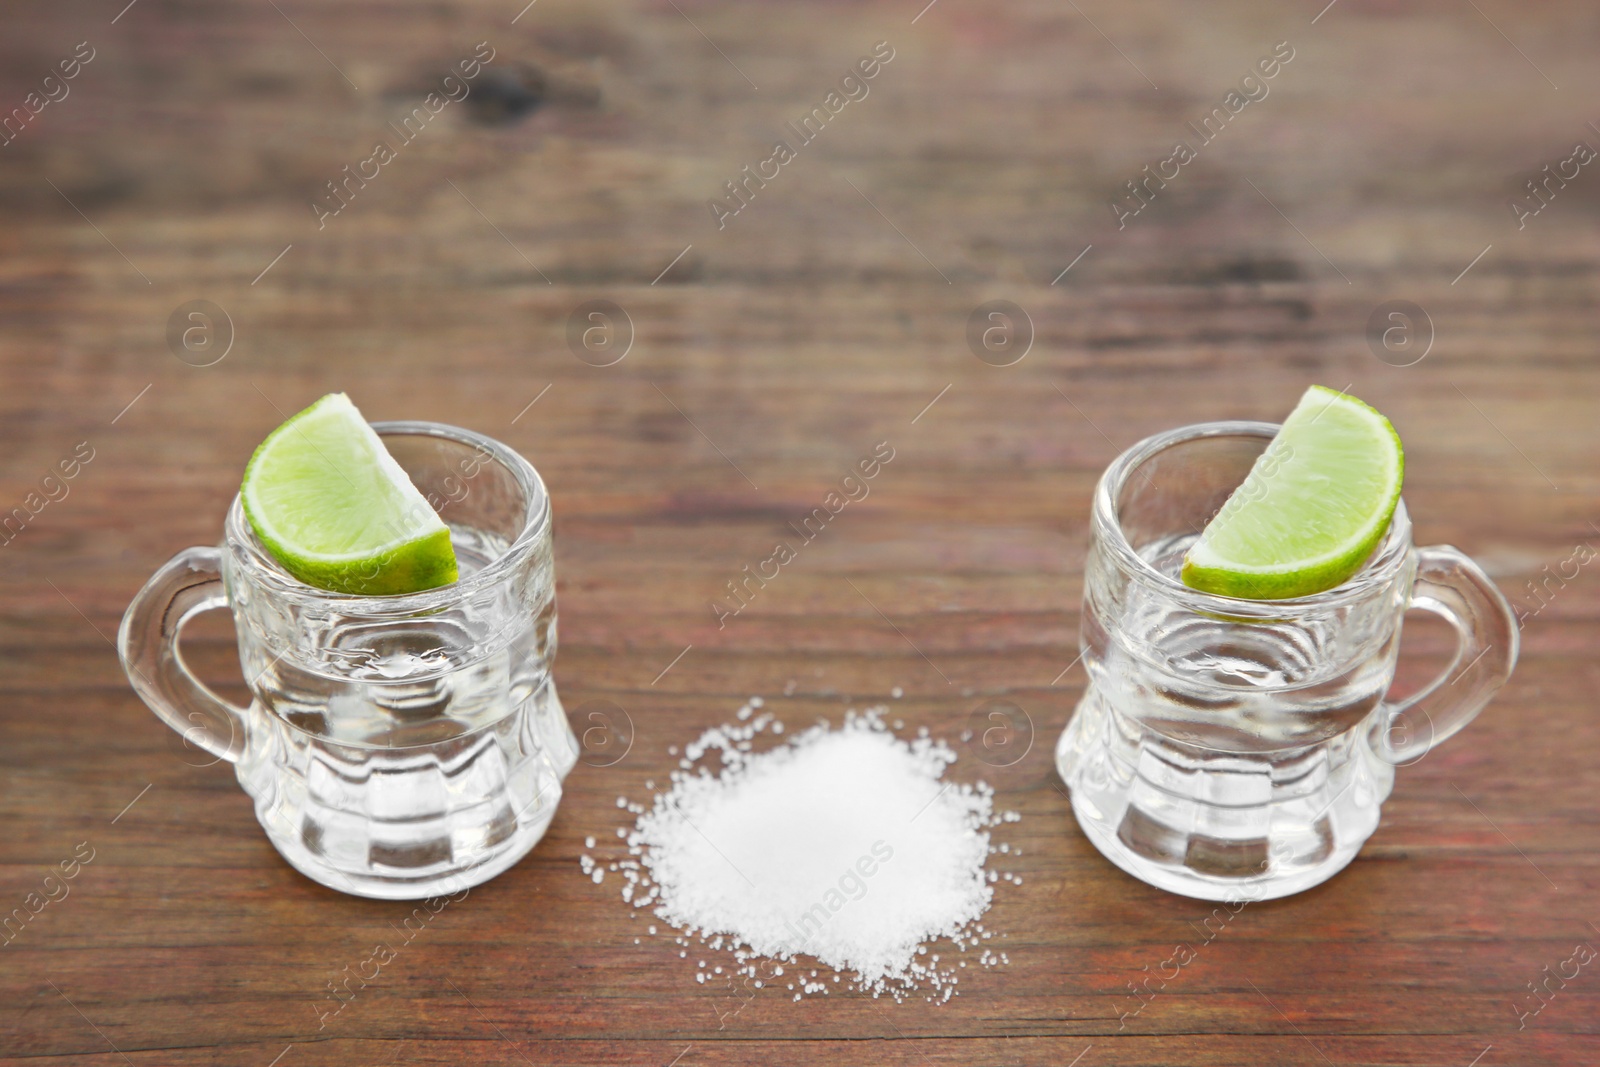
843 845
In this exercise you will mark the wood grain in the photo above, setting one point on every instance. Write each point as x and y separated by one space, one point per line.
825 317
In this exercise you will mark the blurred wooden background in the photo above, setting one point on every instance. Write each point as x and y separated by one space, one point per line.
766 357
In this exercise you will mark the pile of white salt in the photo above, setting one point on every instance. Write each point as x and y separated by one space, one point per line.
843 845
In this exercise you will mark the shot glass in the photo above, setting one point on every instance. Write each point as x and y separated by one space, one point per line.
396 747
1233 749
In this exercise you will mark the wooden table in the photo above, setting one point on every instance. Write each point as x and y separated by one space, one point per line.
829 314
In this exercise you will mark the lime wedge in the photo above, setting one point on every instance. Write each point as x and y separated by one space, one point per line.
1312 509
331 505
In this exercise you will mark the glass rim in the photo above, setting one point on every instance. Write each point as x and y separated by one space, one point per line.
241 541
1376 574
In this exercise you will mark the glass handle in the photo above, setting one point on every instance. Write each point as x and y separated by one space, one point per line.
147 642
1454 588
